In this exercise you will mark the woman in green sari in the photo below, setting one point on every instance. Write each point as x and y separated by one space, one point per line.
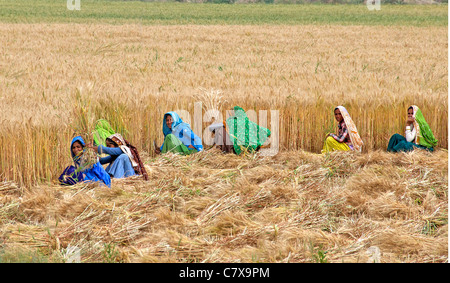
244 134
417 134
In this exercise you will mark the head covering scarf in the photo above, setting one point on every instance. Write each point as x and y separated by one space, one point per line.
131 152
102 131
351 127
244 133
182 131
93 173
424 135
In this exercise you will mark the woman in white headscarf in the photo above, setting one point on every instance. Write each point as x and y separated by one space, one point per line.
123 159
347 138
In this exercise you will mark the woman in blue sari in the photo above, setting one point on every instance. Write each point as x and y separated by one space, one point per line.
121 161
78 172
178 136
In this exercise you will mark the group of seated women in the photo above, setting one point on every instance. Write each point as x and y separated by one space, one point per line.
237 134
418 134
122 158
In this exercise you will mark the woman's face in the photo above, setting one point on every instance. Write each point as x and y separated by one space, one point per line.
338 115
76 148
110 144
169 121
410 113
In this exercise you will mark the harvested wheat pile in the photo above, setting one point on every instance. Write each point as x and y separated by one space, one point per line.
209 207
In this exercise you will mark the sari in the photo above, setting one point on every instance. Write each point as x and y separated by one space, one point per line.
424 138
348 133
178 138
79 173
245 135
102 131
132 153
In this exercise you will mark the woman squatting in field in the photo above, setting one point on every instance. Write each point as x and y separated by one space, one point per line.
83 170
123 159
178 136
347 137
417 134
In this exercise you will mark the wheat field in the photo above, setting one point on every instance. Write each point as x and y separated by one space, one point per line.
57 79
131 75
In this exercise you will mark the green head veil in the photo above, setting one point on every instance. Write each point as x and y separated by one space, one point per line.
102 130
424 134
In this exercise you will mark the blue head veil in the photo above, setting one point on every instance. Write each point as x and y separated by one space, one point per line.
94 174
182 131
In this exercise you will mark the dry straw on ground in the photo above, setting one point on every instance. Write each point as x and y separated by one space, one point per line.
210 207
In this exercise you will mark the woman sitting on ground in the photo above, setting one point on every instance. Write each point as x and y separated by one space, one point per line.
178 136
244 134
123 159
221 139
86 168
417 134
347 137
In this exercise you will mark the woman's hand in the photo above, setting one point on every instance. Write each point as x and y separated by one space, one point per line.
410 121
157 150
90 145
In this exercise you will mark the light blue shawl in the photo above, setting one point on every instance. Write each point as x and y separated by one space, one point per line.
182 131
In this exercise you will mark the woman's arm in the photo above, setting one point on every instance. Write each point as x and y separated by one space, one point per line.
343 136
106 159
114 151
410 135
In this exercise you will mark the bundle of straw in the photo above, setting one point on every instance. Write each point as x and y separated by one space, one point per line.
88 159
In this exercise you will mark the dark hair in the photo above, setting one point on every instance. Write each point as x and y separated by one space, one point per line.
410 107
111 141
71 147
77 142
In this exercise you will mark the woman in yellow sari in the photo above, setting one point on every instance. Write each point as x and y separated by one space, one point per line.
347 137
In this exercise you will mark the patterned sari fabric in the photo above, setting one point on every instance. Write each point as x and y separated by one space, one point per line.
343 135
348 138
132 153
353 132
424 138
424 135
244 134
